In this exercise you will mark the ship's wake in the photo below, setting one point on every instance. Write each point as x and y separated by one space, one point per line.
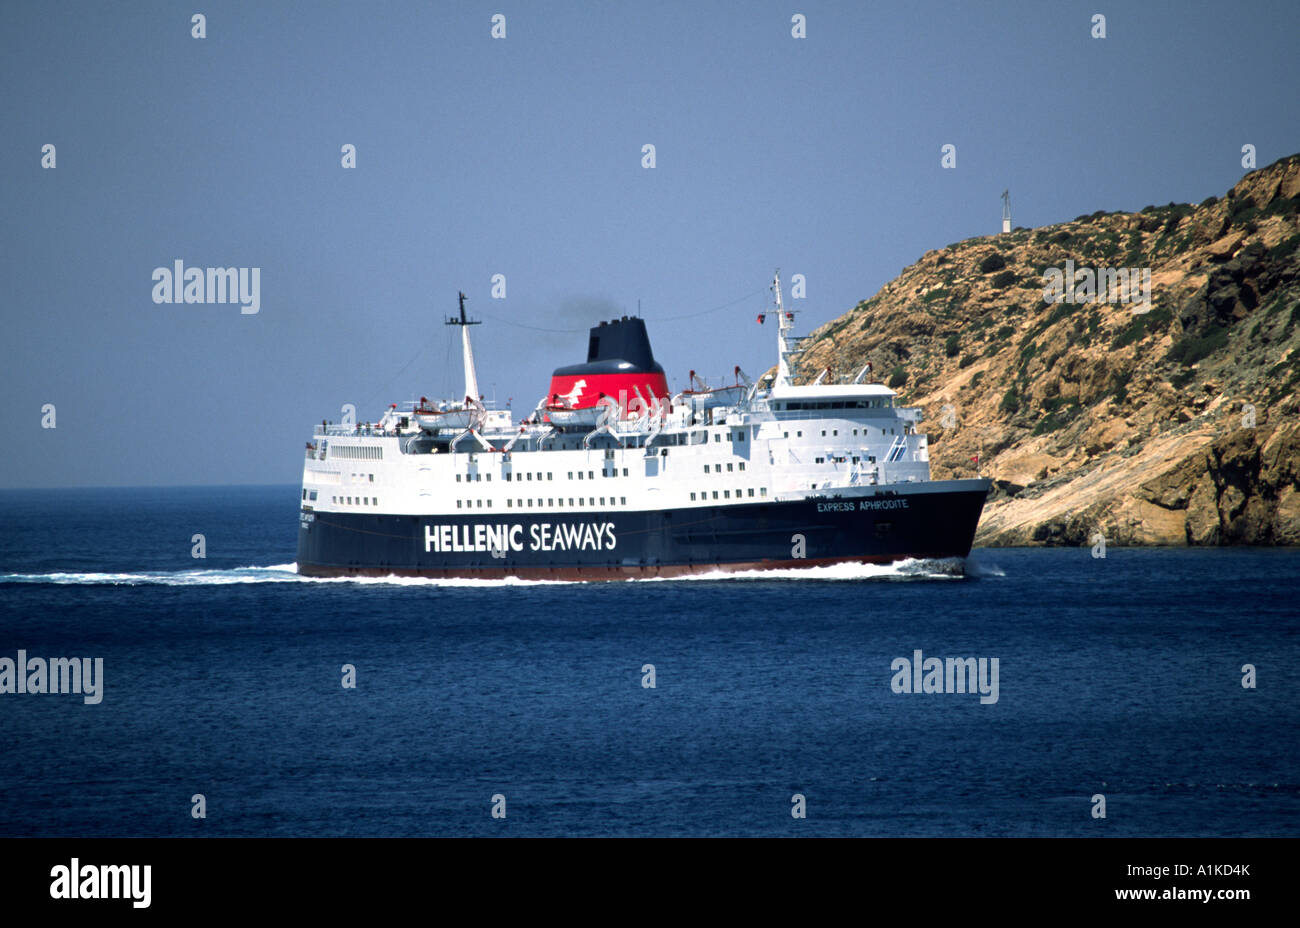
953 568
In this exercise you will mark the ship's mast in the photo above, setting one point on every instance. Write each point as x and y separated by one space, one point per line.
784 347
471 378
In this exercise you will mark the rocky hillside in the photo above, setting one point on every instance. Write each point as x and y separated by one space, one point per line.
1177 425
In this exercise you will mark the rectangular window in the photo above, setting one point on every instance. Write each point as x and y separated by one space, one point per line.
751 491
834 432
762 491
507 476
706 468
458 478
742 465
570 500
591 475
717 437
458 504
692 497
550 502
798 434
570 475
480 504
624 500
579 475
509 504
304 493
312 496
489 476
726 494
785 435
823 433
715 494
549 475
728 467
625 472
528 476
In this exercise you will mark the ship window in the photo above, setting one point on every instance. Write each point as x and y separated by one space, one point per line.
740 436
742 465
785 435
726 494
818 461
591 475
751 491
528 476
570 475
312 495
762 491
855 459
458 504
478 477
489 504
728 466
715 494
625 472
304 494
692 497
376 499
717 437
855 431
489 476
507 476
622 500
372 478
480 504
458 478
366 500
602 500
550 476
834 432
550 502
823 433
509 503
579 475
570 500
706 468
798 434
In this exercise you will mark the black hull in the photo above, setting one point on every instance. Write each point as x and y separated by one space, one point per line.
659 543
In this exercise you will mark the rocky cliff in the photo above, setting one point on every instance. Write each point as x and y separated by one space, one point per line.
1166 422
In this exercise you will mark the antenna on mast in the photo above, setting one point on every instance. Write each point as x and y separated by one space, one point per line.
471 378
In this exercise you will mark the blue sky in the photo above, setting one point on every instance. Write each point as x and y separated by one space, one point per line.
522 156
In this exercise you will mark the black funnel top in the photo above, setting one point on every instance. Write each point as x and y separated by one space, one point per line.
614 342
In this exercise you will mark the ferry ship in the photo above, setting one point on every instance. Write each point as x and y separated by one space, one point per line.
612 477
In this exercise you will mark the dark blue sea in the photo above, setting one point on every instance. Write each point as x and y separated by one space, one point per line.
1119 677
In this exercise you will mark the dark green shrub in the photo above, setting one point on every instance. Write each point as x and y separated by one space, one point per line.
994 262
952 345
1005 279
897 378
1010 402
1192 348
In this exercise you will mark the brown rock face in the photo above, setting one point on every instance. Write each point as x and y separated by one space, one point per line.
1169 423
